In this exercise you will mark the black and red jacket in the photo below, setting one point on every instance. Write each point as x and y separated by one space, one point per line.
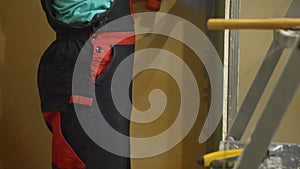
71 146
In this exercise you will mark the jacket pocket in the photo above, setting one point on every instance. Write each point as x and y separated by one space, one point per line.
119 53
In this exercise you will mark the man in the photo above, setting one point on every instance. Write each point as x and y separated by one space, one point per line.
77 25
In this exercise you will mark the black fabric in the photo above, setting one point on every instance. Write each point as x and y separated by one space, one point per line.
93 156
55 82
103 90
63 52
53 166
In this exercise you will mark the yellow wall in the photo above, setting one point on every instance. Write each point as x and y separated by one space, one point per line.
184 155
2 42
254 45
25 141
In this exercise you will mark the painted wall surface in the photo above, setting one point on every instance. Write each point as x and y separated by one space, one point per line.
184 155
254 44
2 45
25 142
